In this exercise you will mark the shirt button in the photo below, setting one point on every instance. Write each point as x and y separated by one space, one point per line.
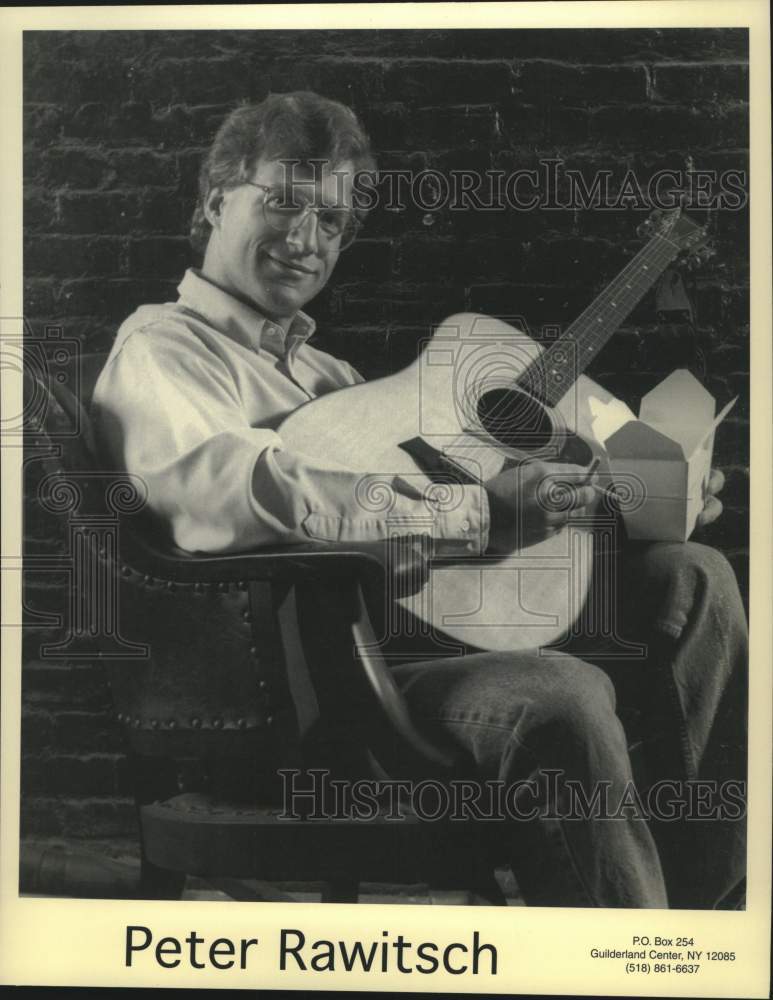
465 526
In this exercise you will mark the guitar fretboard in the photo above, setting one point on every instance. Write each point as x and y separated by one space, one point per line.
550 376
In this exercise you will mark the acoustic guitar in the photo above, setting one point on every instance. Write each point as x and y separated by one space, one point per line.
482 394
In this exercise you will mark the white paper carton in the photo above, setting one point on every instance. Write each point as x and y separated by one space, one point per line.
663 459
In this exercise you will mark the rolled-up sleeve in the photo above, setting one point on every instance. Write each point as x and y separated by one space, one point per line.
339 505
171 413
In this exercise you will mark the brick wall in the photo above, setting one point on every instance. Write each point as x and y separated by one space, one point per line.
114 129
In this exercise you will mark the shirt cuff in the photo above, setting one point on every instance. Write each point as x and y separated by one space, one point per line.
456 515
464 518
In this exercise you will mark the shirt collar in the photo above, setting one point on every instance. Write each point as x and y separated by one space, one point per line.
239 321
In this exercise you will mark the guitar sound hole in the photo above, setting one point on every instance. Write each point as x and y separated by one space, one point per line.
516 419
520 422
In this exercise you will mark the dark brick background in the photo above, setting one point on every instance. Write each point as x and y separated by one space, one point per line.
115 126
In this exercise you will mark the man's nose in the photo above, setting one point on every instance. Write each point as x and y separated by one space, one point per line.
303 236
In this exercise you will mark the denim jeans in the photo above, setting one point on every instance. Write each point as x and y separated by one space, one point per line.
676 714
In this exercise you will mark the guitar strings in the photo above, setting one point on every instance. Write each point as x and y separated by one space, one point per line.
650 250
585 329
659 251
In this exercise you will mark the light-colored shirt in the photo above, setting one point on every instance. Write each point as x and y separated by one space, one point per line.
191 399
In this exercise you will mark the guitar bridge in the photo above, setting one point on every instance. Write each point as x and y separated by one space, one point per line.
436 464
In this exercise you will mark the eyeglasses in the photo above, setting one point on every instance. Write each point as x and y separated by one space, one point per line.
283 213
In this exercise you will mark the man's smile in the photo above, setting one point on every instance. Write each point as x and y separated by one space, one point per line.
293 266
277 263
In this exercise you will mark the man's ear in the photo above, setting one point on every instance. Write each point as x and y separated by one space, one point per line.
213 206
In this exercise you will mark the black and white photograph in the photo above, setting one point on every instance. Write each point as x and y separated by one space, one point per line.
385 463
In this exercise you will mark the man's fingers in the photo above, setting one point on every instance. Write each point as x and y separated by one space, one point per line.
584 496
566 470
564 496
710 512
716 481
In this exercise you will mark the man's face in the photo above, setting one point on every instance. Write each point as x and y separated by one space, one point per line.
275 271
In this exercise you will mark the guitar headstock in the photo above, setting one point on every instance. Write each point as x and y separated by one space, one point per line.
672 225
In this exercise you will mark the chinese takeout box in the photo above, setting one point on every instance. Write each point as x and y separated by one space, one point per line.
661 462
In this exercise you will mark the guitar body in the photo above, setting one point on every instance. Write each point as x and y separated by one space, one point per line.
452 400
481 394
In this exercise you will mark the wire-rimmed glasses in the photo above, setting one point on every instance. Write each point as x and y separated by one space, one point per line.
283 213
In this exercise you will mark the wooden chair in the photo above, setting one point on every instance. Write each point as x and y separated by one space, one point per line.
226 671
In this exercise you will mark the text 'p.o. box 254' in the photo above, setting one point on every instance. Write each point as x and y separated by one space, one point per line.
665 457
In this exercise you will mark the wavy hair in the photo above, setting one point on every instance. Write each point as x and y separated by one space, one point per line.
300 126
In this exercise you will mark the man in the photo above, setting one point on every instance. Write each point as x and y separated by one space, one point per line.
190 400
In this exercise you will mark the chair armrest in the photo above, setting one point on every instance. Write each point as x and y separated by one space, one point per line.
405 558
360 577
400 747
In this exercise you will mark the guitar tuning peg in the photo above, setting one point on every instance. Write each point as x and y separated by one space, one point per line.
700 257
686 262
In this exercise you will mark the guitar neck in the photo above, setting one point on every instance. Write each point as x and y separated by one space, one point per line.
551 375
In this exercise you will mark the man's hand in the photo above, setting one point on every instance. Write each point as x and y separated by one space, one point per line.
712 508
533 501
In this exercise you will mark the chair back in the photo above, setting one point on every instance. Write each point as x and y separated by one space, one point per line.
234 679
188 670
